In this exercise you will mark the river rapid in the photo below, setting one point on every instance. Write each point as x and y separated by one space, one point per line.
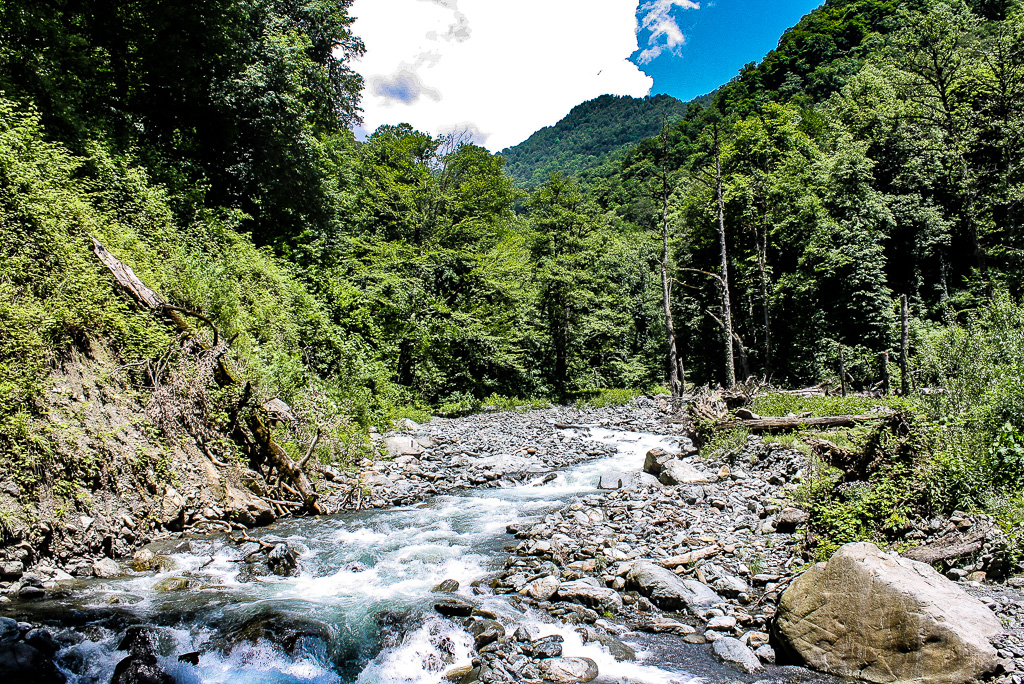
360 609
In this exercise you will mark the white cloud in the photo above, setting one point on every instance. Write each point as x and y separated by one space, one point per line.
496 70
665 32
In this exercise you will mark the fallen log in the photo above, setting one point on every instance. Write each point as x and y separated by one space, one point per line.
258 424
785 424
951 547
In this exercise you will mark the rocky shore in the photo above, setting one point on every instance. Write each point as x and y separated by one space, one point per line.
690 553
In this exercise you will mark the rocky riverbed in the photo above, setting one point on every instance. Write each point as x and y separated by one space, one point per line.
669 569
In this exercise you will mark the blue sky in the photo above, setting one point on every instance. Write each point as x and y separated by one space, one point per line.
720 37
498 70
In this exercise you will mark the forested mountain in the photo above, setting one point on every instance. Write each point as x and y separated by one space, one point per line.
588 135
875 154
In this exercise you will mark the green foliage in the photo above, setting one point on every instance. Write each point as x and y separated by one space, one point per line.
778 404
589 135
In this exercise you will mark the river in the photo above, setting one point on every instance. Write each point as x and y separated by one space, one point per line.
359 611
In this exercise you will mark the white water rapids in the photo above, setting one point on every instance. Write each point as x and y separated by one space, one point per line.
366 582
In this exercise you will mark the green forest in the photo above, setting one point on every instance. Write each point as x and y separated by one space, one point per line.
778 224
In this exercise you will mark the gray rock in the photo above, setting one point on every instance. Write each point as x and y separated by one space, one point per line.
22 664
9 631
790 519
735 653
449 586
883 618
568 670
106 568
542 588
667 591
587 594
546 647
655 460
402 445
627 480
283 561
485 632
681 472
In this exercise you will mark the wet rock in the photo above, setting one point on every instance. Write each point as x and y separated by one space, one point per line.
568 670
735 653
618 650
663 625
681 472
280 628
587 594
667 591
9 631
22 664
172 509
42 641
106 568
11 570
883 618
485 632
141 668
283 561
449 586
143 560
169 584
546 647
454 607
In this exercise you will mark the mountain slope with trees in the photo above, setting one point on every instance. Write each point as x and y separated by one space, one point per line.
588 135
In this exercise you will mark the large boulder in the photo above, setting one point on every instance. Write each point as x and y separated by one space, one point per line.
667 591
681 472
879 617
655 460
734 652
24 664
247 508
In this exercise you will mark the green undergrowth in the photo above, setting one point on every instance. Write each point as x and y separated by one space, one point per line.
778 404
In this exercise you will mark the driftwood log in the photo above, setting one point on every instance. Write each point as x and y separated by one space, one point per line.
797 423
950 547
258 421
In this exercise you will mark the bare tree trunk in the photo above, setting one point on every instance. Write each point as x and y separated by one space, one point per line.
730 364
842 370
904 347
885 372
762 267
677 378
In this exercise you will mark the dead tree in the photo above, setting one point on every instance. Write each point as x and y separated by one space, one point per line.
261 439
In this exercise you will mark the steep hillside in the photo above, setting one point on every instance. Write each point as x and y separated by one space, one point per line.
589 135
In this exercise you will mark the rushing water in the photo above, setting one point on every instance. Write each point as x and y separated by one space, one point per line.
360 609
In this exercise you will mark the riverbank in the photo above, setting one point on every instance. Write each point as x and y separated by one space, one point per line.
484 548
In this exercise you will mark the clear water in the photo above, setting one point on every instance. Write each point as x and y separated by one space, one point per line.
367 626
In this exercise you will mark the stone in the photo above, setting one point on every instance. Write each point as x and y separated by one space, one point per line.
485 632
143 560
24 664
542 588
568 670
746 414
283 561
454 607
581 592
9 631
790 519
722 623
106 568
618 649
246 508
667 626
681 472
402 445
667 591
11 570
172 509
729 586
882 618
627 480
766 653
42 641
140 668
545 647
655 460
449 586
734 652
171 584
